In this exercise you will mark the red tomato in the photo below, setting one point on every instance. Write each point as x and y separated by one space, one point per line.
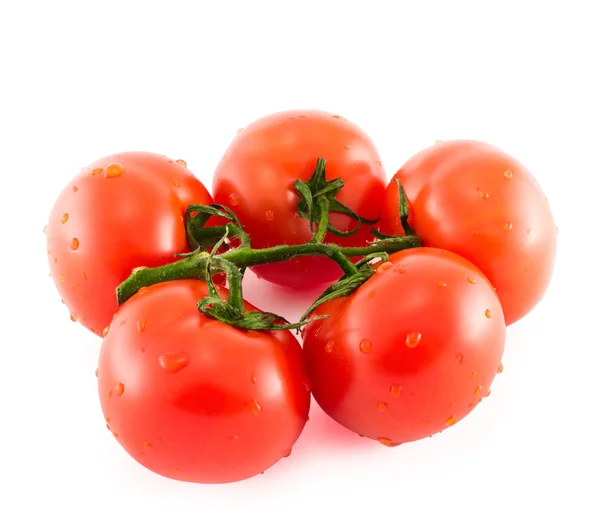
256 179
472 199
194 399
409 353
119 213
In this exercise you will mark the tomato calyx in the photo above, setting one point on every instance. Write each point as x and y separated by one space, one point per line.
318 199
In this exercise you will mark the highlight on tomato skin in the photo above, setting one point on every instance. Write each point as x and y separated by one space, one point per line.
411 352
256 176
194 399
475 200
121 212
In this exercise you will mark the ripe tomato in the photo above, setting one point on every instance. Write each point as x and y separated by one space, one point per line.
256 179
409 353
472 199
194 399
121 212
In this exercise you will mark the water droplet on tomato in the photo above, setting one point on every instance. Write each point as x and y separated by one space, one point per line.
84 276
176 469
478 390
287 453
182 163
234 199
109 394
74 317
488 313
61 278
74 244
442 284
451 420
412 339
400 270
64 218
438 142
330 346
114 170
116 435
174 362
471 405
508 174
148 446
253 378
507 226
45 230
474 232
500 368
106 330
255 407
395 390
384 267
74 188
120 389
487 394
96 171
460 357
384 441
474 374
55 259
175 182
346 147
471 280
365 346
270 215
378 164
382 406
141 325
96 372
233 438
306 385
483 194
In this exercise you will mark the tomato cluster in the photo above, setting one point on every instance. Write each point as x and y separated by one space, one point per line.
198 385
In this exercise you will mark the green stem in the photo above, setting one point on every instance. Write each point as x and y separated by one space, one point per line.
323 220
194 266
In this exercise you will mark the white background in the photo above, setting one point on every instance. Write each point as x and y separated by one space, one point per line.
86 79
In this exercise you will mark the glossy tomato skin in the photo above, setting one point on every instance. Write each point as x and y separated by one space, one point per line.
256 179
475 200
193 399
101 228
411 352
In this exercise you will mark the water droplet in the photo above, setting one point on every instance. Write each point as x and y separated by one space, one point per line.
96 171
142 350
61 278
442 284
74 189
306 385
395 390
556 230
234 199
365 346
483 194
120 389
84 276
500 368
148 446
471 405
478 390
337 117
109 394
384 267
382 406
106 330
114 170
330 346
64 218
387 442
182 163
400 270
175 182
255 408
474 374
487 394
508 174
287 453
96 372
176 469
74 244
346 147
451 420
233 438
488 313
74 317
45 229
412 339
174 362
180 316
253 378
378 164
137 269
438 142
474 232
270 215
141 325
460 357
55 259
507 226
116 435
471 280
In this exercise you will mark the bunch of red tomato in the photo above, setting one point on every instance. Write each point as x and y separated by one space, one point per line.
407 354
